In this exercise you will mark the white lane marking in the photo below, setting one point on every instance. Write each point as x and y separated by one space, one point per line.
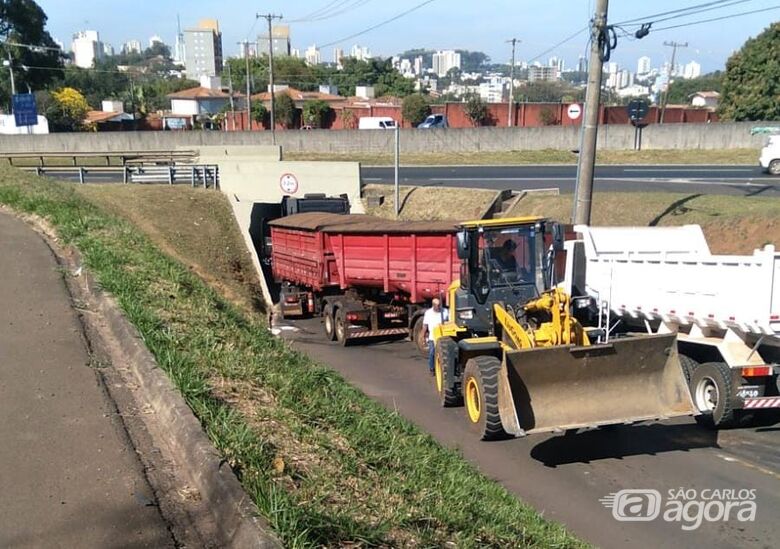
740 170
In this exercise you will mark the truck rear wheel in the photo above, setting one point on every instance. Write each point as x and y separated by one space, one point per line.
418 332
341 327
711 389
329 323
446 361
480 392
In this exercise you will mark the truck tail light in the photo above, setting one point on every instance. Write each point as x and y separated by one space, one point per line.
352 317
291 299
756 371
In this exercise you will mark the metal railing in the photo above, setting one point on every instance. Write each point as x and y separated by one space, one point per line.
46 159
205 175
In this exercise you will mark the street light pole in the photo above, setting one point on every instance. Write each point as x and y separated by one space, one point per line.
11 71
584 191
511 116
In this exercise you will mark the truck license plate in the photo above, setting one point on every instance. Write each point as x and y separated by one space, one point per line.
749 391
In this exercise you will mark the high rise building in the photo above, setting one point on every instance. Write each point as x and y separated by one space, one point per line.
203 50
537 72
643 65
108 50
280 38
338 55
155 40
582 64
556 62
443 61
418 65
87 48
360 52
131 46
692 70
178 54
312 55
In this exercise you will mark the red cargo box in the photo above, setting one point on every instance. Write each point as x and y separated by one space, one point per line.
415 259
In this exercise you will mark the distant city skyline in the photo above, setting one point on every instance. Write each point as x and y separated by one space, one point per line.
476 28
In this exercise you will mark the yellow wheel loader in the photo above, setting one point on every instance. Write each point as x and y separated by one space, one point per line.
515 354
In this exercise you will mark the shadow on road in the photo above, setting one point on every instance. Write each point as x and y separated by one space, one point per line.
622 441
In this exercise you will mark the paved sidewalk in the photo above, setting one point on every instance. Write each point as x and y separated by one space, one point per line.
69 476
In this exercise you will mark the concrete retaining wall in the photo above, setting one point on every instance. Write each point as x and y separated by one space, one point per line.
611 136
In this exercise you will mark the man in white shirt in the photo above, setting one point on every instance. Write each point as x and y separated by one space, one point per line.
432 318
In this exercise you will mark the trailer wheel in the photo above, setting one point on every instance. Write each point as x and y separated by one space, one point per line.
329 323
711 389
417 336
341 327
446 360
688 367
480 392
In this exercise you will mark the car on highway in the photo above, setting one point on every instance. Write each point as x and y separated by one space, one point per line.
434 121
770 155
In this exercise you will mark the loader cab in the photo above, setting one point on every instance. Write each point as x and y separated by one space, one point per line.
502 261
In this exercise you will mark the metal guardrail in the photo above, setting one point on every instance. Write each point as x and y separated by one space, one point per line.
125 157
205 175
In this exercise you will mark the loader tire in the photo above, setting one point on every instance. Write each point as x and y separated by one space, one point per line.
445 367
480 392
688 367
711 390
329 323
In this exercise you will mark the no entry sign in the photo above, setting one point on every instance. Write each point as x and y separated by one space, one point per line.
574 111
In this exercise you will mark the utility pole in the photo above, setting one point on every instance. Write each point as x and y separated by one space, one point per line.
511 117
11 71
587 160
248 89
270 17
232 103
674 45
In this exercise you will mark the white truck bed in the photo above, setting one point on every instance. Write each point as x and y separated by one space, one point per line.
669 274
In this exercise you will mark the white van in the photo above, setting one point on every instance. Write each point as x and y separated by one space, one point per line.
376 123
770 155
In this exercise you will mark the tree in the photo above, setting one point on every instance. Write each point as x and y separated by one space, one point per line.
680 90
24 22
259 112
314 112
548 92
751 86
415 108
68 110
476 110
284 110
348 119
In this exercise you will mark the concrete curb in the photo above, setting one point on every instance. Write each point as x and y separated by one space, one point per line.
237 519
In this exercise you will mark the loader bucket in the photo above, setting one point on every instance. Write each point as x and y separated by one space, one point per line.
566 387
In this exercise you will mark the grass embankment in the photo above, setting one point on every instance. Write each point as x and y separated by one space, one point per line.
323 462
547 156
732 224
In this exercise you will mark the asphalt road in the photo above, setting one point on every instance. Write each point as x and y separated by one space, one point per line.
564 477
731 180
69 477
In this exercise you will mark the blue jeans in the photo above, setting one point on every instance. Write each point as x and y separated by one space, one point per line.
431 355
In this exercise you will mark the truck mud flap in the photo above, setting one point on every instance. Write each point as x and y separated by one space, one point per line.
566 387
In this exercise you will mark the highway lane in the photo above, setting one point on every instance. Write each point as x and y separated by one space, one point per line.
564 477
729 180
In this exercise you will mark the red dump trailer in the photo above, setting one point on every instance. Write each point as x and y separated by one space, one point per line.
367 276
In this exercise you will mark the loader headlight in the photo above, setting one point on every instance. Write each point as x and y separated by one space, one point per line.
466 314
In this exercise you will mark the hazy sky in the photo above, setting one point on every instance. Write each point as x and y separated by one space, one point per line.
482 25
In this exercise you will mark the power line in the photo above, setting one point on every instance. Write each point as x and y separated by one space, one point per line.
558 45
381 24
335 4
662 14
344 7
718 18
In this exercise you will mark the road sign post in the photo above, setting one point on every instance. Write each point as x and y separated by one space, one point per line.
25 109
637 110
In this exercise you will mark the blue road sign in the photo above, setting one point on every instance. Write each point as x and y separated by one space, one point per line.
25 109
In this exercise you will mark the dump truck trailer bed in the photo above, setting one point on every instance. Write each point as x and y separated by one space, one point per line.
372 276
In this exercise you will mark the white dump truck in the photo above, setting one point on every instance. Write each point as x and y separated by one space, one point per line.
725 309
